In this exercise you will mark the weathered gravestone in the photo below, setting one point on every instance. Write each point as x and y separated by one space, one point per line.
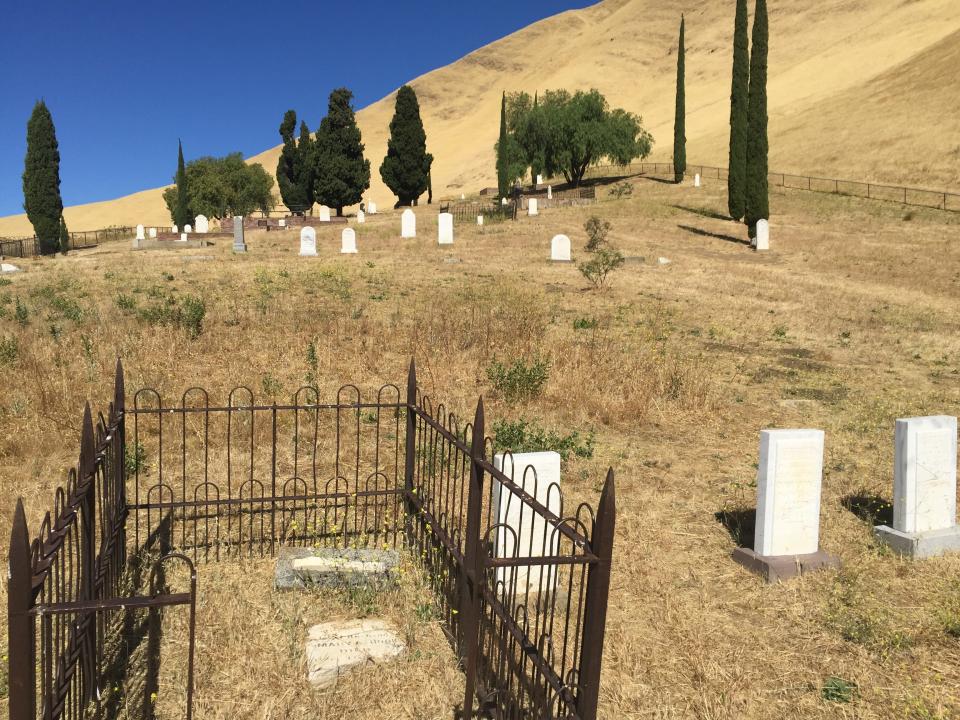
560 248
239 244
445 229
924 488
539 179
308 242
372 207
526 532
335 648
183 236
549 192
299 568
408 224
282 222
152 233
479 219
762 240
8 268
532 207
140 235
348 241
202 224
361 218
187 228
175 230
696 180
787 524
324 213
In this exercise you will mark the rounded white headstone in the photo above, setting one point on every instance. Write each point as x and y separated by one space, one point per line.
445 229
408 224
187 229
372 207
762 240
348 241
539 179
183 236
462 196
560 248
696 180
549 192
174 229
479 219
140 232
308 241
201 224
361 218
532 207
324 213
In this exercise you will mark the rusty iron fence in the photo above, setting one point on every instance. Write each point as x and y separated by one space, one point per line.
917 197
28 246
466 211
192 482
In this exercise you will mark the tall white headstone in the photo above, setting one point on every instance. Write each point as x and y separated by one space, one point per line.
479 219
202 224
348 241
462 196
308 241
549 192
324 213
408 224
560 248
696 180
539 179
526 533
140 235
174 229
188 228
532 207
445 229
762 240
361 218
372 207
152 233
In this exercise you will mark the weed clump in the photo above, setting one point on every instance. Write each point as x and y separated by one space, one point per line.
519 380
529 436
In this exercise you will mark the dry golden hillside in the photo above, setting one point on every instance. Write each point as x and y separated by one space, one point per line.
858 88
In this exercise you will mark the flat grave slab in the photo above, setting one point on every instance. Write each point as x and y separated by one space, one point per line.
335 648
299 568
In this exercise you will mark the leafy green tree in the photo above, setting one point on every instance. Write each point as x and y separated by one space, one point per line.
757 189
64 237
341 172
576 131
736 177
41 179
295 169
224 187
526 126
680 117
405 168
181 212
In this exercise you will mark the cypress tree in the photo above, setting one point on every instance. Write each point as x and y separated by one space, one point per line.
756 194
41 179
736 176
405 168
341 172
305 168
503 171
64 236
287 164
181 211
679 121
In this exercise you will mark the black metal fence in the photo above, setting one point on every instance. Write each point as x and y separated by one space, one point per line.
468 211
522 582
30 247
917 197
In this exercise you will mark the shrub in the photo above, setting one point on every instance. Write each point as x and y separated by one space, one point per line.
187 313
134 458
192 311
585 323
9 349
127 303
622 190
21 313
597 231
838 690
519 380
602 262
529 436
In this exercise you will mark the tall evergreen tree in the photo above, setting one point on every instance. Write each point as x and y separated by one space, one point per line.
64 240
306 166
536 156
757 189
739 91
341 172
680 118
405 168
295 168
503 160
41 179
182 215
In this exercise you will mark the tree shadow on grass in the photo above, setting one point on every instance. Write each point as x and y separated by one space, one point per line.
872 509
702 212
740 523
716 236
663 181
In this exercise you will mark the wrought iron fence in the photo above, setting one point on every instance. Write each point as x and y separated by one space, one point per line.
523 600
30 247
468 211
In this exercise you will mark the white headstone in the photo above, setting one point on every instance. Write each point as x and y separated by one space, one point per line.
152 232
925 474
560 248
503 201
8 268
788 492
529 534
282 222
479 219
361 218
183 236
308 241
334 648
408 224
445 229
532 207
762 240
187 228
348 241
324 213
202 224
372 207
174 229
462 196
140 235
539 179
696 180
549 192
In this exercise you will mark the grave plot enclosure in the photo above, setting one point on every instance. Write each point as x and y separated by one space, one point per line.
521 577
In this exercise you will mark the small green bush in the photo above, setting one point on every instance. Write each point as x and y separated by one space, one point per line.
519 380
622 190
125 302
21 313
192 311
134 458
9 349
186 313
597 231
529 436
585 323
838 690
602 262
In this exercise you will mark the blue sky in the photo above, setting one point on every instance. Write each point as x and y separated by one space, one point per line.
124 80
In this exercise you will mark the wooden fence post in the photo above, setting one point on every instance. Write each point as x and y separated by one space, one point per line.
595 613
21 631
473 566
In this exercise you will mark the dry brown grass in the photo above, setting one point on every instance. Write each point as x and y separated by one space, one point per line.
850 322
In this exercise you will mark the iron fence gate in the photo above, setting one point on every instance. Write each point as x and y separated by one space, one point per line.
194 482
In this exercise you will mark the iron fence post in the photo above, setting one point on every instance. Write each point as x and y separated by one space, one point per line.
411 450
472 566
595 612
88 481
21 631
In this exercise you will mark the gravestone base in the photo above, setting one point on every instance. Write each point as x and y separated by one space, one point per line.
299 568
774 568
917 546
